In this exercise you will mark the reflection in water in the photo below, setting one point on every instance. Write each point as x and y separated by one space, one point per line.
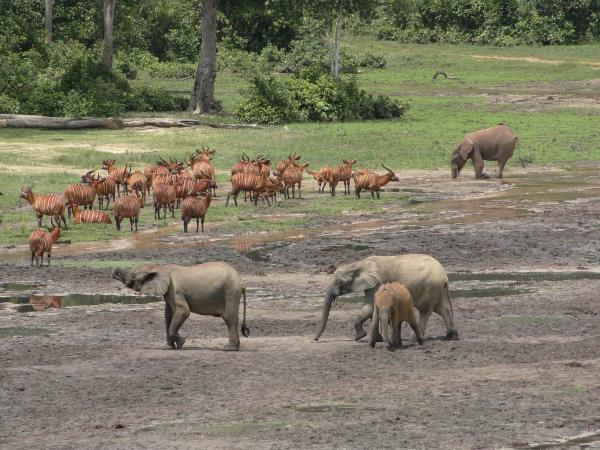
42 302
29 303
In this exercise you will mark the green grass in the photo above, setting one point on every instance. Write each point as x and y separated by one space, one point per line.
441 112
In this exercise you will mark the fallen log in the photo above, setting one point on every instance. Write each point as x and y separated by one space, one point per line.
57 123
180 123
65 123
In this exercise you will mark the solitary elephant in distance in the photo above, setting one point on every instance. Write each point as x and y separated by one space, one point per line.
424 277
491 144
212 289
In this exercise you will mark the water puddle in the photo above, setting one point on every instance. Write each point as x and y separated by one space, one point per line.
30 303
487 292
524 276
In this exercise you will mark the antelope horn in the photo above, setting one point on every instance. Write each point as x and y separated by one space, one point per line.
386 168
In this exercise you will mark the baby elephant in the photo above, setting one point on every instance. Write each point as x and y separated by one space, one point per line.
393 304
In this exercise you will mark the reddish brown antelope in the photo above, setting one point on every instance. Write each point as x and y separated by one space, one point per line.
195 208
289 161
292 176
369 180
119 174
128 208
152 170
52 205
81 194
164 196
246 182
103 187
89 215
138 182
343 173
321 176
40 242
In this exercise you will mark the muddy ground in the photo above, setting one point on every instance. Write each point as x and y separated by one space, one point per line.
525 276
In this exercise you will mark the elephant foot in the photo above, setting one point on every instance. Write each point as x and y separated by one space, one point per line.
177 342
392 348
231 347
483 176
360 333
451 336
371 343
170 343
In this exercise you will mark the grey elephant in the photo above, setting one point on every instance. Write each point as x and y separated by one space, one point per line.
491 144
212 289
423 275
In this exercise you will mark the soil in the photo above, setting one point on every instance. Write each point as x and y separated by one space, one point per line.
522 256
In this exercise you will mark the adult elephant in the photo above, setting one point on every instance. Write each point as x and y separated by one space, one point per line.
491 144
212 289
423 275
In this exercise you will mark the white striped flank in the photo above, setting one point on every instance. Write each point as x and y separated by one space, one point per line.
127 208
164 196
40 242
194 208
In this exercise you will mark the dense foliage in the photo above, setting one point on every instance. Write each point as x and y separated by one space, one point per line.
312 95
496 22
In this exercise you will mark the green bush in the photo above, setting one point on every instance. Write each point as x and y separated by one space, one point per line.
8 105
313 96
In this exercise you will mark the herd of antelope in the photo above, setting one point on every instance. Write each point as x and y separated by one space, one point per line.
173 186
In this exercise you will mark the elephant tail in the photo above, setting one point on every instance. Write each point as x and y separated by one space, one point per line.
245 330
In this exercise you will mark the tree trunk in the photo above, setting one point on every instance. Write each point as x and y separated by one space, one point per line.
337 40
109 14
202 100
48 21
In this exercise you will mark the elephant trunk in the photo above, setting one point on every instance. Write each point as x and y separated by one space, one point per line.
329 298
384 320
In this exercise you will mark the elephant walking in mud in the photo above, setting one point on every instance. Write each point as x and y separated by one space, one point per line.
491 144
424 277
212 289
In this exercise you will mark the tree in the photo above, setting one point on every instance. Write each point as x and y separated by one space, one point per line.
203 94
48 21
108 11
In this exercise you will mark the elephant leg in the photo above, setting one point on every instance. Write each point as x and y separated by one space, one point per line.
366 314
445 311
501 165
478 164
234 337
374 327
423 319
182 312
396 336
168 319
412 321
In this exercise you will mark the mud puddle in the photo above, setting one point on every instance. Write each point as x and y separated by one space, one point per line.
30 303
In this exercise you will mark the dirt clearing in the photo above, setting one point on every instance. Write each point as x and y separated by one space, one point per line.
524 270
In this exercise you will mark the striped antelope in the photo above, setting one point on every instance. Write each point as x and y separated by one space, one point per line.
292 176
40 242
128 208
103 187
152 170
52 205
240 166
203 170
246 182
289 161
343 173
89 215
169 179
138 182
369 180
272 186
186 187
164 196
321 176
195 208
81 194
119 174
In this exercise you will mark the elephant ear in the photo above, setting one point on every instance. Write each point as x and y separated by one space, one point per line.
366 276
156 284
465 148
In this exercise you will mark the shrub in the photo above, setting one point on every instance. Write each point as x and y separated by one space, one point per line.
8 105
314 96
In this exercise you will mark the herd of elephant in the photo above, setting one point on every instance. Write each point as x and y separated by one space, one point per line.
392 286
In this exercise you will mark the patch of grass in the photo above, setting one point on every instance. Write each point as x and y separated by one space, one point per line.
22 331
533 320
